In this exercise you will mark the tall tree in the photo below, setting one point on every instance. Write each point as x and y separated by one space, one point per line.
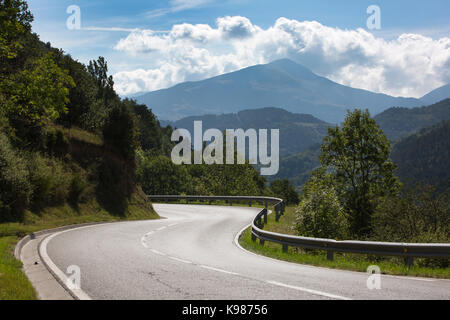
358 155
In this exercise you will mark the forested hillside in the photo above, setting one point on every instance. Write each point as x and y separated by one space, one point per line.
400 122
298 132
425 156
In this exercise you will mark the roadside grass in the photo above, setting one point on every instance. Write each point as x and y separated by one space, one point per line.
14 284
345 261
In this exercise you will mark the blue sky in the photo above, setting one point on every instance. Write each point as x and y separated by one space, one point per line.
425 18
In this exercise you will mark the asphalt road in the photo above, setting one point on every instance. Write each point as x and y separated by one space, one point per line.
192 254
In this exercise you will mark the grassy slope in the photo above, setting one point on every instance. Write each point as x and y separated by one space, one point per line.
346 261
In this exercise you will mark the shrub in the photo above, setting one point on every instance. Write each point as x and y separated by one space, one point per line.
78 186
321 215
49 179
15 189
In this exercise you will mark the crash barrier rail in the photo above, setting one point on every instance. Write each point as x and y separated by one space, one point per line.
408 251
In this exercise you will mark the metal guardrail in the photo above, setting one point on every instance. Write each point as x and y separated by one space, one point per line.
409 251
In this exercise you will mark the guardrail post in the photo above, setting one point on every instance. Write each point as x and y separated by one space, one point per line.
250 203
260 224
285 248
265 216
265 204
253 237
231 202
261 242
409 261
330 255
277 216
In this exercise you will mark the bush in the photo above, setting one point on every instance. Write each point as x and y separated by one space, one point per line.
77 187
418 215
15 189
320 213
50 181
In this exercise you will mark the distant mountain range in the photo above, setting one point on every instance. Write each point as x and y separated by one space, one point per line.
298 132
437 95
282 84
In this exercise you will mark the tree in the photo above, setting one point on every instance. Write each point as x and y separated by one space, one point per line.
358 156
15 22
120 132
285 190
34 98
105 85
159 175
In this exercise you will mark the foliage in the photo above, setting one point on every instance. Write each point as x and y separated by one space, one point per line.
159 175
420 214
424 157
358 156
15 23
320 213
36 97
105 84
284 190
15 188
120 132
398 123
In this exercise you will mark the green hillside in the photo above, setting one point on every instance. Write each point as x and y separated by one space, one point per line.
400 122
425 156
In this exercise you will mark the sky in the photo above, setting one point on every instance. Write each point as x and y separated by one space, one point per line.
151 45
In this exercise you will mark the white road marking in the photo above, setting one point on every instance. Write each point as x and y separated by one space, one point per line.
315 292
180 260
149 233
219 270
172 225
162 228
158 252
143 242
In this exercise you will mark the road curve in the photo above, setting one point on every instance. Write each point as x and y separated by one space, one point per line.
192 254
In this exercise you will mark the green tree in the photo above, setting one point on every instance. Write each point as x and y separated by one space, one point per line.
159 175
15 22
358 156
284 190
120 132
34 98
105 84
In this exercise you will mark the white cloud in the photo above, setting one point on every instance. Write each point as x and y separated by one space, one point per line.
410 65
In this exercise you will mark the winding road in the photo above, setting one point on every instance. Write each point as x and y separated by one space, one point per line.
192 254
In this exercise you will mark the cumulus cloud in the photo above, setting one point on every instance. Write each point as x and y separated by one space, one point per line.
410 65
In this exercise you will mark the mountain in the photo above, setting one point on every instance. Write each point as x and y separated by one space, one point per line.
282 83
400 122
297 131
437 95
425 156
